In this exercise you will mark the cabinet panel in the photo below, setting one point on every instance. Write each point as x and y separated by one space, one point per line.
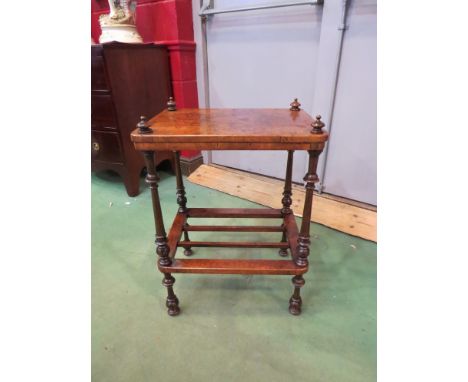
105 146
127 81
98 72
102 113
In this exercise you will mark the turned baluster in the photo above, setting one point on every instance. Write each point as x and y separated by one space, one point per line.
181 198
162 249
310 179
287 200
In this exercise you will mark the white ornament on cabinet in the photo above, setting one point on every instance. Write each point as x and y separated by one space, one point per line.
119 24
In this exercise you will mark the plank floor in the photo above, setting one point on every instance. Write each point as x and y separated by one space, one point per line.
344 217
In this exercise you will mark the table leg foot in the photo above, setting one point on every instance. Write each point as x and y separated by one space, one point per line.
295 302
172 302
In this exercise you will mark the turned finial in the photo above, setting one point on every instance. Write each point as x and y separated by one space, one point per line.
171 105
317 125
143 126
295 105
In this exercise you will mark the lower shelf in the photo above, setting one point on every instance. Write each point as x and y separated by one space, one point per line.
234 266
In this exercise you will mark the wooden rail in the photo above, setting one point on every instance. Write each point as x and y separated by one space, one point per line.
233 244
231 266
233 228
234 213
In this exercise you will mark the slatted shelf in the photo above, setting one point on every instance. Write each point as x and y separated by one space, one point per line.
233 266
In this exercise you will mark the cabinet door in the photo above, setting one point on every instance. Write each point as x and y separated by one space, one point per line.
140 82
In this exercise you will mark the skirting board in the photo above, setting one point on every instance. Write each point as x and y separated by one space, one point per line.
189 165
350 219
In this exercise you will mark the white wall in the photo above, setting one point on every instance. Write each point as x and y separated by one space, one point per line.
351 168
265 58
262 58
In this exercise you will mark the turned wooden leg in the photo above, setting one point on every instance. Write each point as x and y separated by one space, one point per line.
162 249
172 302
287 193
303 240
295 302
181 198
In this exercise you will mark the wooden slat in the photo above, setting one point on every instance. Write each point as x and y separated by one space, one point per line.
344 217
245 267
233 213
175 233
233 244
233 228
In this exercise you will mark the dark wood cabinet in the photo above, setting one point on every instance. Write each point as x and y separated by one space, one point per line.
127 81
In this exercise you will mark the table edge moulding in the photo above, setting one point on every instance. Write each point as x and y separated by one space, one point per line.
232 129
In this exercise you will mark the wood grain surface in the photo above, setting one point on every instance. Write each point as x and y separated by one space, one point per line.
222 126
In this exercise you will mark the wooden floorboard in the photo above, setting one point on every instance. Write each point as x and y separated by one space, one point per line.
351 219
322 195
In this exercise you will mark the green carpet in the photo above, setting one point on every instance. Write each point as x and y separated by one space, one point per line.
231 327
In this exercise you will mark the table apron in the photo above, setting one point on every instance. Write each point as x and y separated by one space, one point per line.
174 146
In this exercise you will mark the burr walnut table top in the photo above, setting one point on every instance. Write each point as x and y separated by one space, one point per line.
230 129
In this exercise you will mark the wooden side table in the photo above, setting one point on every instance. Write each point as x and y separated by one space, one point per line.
232 129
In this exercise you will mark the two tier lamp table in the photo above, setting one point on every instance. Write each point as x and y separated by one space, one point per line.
286 129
